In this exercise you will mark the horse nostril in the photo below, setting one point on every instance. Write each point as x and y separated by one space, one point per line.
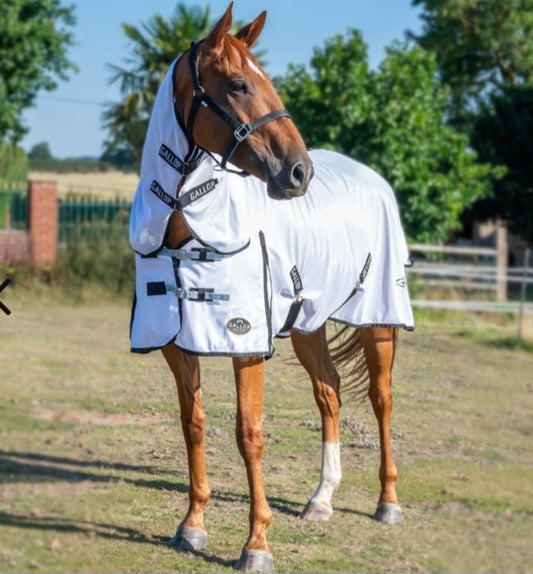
297 175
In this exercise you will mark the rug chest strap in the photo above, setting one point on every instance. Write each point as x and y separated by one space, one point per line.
200 294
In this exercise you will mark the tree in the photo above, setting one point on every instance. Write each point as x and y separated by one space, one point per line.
503 134
393 119
34 38
155 44
480 45
484 53
13 163
40 151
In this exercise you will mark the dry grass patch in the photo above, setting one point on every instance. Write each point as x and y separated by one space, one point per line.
102 185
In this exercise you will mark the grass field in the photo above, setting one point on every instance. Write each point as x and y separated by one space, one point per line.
103 185
93 475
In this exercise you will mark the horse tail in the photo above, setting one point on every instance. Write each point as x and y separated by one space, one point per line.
347 353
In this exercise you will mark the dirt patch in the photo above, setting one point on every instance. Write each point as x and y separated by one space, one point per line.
101 419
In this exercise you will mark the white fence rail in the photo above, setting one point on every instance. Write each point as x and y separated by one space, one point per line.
471 269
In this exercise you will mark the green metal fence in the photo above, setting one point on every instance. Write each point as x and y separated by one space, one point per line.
13 208
81 218
85 219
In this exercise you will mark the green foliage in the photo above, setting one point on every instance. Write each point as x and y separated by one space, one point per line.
479 45
34 37
95 259
40 151
41 159
503 134
68 165
393 119
107 263
484 54
13 163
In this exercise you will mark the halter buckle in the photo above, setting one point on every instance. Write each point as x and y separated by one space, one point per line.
198 91
242 132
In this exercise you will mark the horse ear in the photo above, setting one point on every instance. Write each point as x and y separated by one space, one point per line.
249 34
214 39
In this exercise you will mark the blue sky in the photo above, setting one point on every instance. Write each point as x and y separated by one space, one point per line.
69 119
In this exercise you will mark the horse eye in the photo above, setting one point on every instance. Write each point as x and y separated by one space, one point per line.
239 86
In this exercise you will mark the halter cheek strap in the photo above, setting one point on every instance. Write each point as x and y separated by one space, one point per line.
241 130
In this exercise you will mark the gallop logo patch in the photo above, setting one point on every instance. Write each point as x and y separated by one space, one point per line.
238 326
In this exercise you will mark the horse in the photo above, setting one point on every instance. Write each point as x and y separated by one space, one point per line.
227 108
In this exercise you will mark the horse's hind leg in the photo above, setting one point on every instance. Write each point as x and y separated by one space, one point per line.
313 353
191 534
379 346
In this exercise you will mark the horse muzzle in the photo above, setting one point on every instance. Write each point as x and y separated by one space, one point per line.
292 181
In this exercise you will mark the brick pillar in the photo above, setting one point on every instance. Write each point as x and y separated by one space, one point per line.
42 197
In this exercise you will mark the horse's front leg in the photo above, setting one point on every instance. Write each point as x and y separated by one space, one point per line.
249 379
379 346
191 534
313 353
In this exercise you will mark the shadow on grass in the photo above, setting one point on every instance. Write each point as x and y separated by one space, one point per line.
66 525
99 529
33 467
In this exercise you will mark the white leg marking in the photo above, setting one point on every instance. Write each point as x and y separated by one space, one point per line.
330 474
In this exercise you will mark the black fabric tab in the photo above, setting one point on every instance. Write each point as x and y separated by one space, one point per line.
364 271
156 288
296 280
171 158
197 192
157 190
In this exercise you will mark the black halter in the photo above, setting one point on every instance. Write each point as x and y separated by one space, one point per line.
241 130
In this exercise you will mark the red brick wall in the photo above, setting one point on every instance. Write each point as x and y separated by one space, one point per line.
42 197
38 246
15 247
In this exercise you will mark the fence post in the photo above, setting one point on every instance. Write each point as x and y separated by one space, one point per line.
501 263
523 291
42 197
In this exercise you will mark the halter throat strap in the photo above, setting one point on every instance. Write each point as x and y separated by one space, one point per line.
241 130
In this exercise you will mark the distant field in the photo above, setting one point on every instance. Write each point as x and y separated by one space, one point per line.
105 185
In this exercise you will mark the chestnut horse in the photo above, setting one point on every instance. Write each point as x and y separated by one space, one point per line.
269 147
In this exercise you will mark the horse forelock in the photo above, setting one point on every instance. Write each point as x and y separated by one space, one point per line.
236 57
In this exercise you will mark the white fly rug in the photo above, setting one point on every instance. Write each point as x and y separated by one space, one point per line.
255 266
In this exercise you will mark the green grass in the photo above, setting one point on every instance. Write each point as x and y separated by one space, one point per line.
93 473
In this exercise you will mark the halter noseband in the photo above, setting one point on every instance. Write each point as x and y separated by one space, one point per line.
241 130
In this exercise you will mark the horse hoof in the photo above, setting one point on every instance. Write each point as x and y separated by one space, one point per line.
388 513
316 512
255 561
189 539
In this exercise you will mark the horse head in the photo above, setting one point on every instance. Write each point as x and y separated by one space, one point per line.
230 107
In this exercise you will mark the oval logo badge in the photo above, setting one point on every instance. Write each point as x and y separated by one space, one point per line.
238 326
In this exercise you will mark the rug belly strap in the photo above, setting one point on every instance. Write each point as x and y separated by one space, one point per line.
201 294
